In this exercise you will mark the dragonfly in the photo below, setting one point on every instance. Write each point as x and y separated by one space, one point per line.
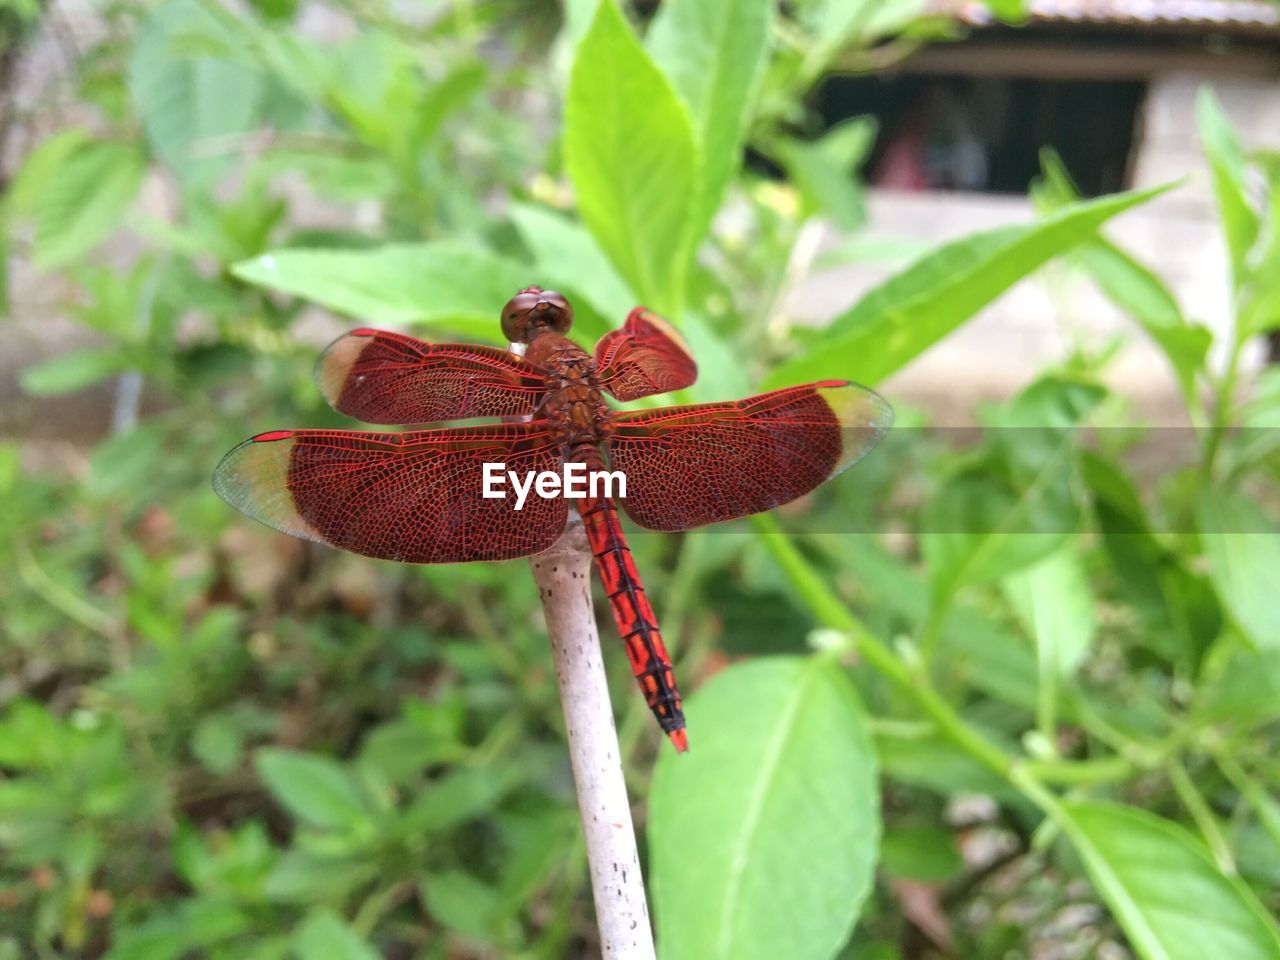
417 496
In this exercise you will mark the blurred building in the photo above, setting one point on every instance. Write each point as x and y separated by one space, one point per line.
1111 85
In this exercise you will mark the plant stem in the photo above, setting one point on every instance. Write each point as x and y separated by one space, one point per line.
1222 407
1198 807
831 612
563 576
1080 772
1264 806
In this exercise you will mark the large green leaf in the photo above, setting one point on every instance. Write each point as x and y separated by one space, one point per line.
1240 222
630 152
1243 547
913 310
764 836
714 53
1163 888
444 284
192 107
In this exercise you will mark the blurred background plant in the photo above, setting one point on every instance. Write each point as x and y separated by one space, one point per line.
1007 698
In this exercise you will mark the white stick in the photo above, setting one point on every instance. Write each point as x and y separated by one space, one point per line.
563 575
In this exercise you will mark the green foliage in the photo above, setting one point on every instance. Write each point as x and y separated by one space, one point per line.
446 285
910 312
765 842
76 189
194 109
714 55
630 151
217 742
1163 886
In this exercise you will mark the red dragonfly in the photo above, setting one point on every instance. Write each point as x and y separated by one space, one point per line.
417 496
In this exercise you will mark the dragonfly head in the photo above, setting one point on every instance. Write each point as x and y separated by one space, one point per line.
533 311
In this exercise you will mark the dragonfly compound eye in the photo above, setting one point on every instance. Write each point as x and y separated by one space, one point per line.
558 312
532 309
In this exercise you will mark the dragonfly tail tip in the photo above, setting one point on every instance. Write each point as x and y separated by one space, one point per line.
680 739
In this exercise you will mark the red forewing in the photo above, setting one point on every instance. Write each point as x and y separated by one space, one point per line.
383 377
693 465
414 497
645 356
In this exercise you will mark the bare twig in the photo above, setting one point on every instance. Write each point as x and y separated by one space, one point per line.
563 575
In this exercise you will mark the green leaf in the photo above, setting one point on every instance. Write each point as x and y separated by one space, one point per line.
567 258
181 930
217 743
459 86
1243 547
981 527
721 372
444 284
461 902
1240 222
1244 693
83 200
913 310
1015 502
1180 608
1140 293
1260 310
326 936
937 764
41 166
333 176
316 789
1130 285
981 651
1163 888
824 171
630 152
306 878
714 52
1053 601
763 838
73 371
923 853
192 108
460 795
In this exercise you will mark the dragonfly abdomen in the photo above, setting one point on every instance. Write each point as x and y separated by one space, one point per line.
634 616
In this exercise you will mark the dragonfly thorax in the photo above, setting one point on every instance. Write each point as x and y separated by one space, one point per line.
574 404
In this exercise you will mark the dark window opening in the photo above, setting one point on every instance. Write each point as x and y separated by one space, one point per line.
985 134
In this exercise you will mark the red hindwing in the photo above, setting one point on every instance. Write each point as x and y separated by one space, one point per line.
643 357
